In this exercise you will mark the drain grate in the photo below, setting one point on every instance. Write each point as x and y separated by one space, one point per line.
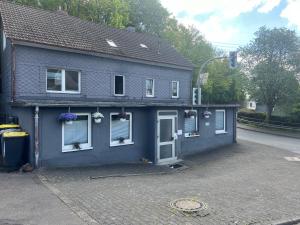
188 205
176 166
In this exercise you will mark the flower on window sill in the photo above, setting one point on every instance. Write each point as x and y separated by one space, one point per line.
190 114
76 146
67 117
121 140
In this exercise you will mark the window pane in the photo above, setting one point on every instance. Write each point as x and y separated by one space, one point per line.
119 85
165 151
189 125
54 78
174 89
72 80
220 120
166 130
76 132
119 128
149 87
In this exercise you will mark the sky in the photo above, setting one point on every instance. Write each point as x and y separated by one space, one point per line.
228 24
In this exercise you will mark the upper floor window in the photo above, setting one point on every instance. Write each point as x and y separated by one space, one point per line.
149 88
60 80
119 85
175 89
220 121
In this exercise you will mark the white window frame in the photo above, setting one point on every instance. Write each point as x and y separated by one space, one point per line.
153 87
126 141
177 82
63 81
115 85
186 134
85 146
223 131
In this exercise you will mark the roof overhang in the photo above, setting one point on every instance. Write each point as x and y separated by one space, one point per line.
106 104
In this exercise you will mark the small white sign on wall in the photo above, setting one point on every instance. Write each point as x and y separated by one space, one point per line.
179 132
207 124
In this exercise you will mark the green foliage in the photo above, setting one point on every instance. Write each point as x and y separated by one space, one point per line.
272 61
189 42
224 85
148 16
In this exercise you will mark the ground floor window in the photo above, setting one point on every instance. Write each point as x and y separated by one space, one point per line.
120 129
77 136
220 121
190 123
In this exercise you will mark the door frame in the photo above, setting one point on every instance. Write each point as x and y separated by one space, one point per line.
173 117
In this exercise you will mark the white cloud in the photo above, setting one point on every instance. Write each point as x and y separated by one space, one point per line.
218 25
291 13
268 6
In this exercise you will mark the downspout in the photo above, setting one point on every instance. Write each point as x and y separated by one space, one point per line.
36 136
234 125
13 71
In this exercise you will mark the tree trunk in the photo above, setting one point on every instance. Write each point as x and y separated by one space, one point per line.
269 113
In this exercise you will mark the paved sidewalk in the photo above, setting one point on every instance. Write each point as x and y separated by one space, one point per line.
25 201
292 134
242 184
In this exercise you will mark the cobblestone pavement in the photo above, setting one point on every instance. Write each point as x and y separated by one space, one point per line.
245 183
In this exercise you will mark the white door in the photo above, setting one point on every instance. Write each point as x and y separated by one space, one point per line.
166 139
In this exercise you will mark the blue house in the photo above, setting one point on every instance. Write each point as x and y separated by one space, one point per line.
53 63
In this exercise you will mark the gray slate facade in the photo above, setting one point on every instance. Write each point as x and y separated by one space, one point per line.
24 64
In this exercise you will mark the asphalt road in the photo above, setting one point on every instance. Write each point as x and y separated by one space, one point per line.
286 143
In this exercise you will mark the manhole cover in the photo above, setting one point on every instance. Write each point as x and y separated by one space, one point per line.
187 205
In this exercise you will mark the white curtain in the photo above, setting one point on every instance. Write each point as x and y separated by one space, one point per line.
76 132
119 129
220 120
189 125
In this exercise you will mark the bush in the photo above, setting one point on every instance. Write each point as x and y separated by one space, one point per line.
275 120
252 115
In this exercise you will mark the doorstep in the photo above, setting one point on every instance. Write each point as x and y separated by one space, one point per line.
169 162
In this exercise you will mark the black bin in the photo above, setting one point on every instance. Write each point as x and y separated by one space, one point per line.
14 146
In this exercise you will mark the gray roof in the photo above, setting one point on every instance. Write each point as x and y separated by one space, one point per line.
57 29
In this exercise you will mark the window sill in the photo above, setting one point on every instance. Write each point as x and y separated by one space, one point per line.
63 92
119 95
77 150
150 96
121 144
221 132
191 135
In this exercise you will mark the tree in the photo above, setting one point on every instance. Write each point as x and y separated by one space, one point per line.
148 16
271 62
189 42
224 85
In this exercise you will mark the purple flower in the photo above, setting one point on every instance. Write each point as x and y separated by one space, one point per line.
67 117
